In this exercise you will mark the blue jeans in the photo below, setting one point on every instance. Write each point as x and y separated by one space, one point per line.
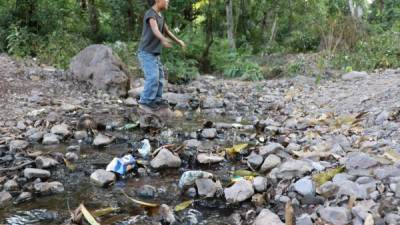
153 77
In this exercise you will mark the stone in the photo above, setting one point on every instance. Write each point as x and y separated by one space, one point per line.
36 173
52 117
382 117
102 178
390 219
5 198
71 156
51 139
69 107
209 133
11 186
36 137
351 188
21 125
335 215
211 103
258 199
205 158
80 135
328 189
386 172
359 160
23 197
206 187
165 159
74 148
61 130
167 214
304 219
271 148
254 160
130 102
192 143
305 186
18 145
135 92
47 188
363 208
177 99
147 191
43 162
291 169
260 184
270 162
266 217
101 140
354 75
99 66
343 177
239 192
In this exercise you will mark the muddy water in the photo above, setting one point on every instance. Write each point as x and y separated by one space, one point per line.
78 189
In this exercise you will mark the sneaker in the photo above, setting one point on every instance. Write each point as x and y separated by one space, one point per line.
163 103
152 106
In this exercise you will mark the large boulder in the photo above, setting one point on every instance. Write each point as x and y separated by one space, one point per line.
101 67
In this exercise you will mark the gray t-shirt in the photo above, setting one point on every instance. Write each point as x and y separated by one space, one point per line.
149 42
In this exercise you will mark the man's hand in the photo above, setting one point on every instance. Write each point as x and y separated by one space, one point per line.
166 43
181 43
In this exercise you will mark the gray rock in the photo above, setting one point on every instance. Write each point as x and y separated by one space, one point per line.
61 130
254 160
397 190
359 160
36 137
47 188
211 102
101 140
239 192
130 102
21 125
192 143
11 186
147 191
382 117
392 219
43 162
363 208
51 139
177 99
205 158
165 159
98 65
53 117
270 162
66 107
18 145
5 199
74 149
351 188
292 147
291 169
342 177
260 184
209 133
206 187
23 197
354 75
386 172
102 178
167 214
80 135
335 215
266 217
36 173
271 148
135 92
329 189
305 186
304 219
71 156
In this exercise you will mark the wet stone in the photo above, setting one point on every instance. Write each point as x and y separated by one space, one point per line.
51 139
5 198
36 137
101 140
147 191
206 187
205 158
192 143
239 192
254 160
71 156
11 186
80 135
47 188
45 162
102 178
209 133
61 130
18 145
266 217
23 197
36 173
260 184
165 159
271 148
304 219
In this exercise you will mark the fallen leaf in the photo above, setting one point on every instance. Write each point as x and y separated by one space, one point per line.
88 216
129 126
244 173
236 149
236 178
105 211
183 205
71 167
153 205
322 178
392 155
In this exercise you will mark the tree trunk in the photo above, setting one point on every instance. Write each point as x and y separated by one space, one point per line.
230 23
94 20
205 64
83 4
131 19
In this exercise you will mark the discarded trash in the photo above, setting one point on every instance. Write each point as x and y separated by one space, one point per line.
121 165
129 126
189 177
152 205
183 205
145 148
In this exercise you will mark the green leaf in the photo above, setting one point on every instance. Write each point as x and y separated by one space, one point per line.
183 205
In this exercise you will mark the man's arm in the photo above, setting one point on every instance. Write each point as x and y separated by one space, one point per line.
173 37
158 34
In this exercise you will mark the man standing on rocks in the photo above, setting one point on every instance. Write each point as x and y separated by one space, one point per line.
154 36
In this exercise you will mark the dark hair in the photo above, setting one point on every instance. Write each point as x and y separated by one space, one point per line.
151 2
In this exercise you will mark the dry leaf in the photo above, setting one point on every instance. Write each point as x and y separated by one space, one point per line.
152 205
183 205
88 216
236 149
105 211
322 178
289 214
